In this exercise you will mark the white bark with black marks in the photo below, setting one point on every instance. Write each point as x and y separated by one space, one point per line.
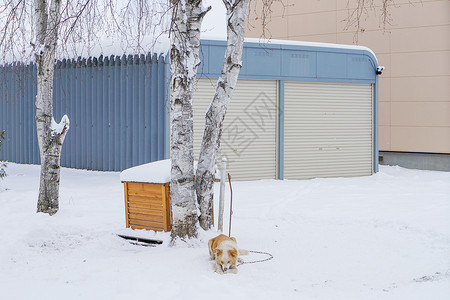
50 135
236 21
184 61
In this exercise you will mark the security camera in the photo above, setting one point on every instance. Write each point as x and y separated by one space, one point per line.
380 70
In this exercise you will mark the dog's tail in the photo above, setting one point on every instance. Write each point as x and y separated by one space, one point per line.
243 252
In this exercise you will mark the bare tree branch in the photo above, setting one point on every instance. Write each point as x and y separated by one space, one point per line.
133 26
357 15
262 11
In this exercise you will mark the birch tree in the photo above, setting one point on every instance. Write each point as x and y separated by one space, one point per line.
187 16
50 135
184 54
236 22
184 61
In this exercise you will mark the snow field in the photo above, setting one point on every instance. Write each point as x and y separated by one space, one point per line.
385 236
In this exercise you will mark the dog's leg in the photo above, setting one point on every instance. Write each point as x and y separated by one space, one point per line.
211 253
243 252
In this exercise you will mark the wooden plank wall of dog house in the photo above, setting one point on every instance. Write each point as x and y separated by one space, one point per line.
127 219
249 137
328 129
167 207
147 206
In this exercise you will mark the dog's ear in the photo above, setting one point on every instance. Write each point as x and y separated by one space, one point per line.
234 239
233 253
218 252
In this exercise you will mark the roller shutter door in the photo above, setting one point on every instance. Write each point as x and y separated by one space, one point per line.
328 130
249 139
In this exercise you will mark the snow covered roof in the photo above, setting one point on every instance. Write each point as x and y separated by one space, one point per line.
154 172
311 44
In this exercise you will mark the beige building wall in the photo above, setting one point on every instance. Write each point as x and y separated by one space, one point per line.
414 46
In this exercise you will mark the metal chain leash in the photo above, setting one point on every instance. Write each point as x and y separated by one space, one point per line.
256 261
229 232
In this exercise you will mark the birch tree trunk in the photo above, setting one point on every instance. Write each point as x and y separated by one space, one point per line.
184 61
50 135
236 21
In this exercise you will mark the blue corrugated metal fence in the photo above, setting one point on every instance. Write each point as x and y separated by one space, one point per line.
117 108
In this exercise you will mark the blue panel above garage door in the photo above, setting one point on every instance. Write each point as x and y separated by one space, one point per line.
331 65
359 67
261 60
299 64
302 61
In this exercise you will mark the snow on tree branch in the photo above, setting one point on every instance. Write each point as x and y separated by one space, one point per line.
61 127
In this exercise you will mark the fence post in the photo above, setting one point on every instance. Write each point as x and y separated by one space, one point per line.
223 176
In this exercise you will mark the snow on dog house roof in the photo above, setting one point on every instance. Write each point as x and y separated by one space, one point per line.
154 172
292 60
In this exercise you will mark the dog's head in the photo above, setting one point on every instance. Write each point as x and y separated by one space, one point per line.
226 259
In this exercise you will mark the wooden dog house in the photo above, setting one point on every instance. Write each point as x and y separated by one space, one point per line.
147 206
147 196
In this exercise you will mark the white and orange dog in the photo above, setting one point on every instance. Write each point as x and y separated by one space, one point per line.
225 252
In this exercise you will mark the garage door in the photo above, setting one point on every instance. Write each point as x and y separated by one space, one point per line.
249 136
328 130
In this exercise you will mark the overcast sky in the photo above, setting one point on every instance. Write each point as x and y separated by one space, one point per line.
214 25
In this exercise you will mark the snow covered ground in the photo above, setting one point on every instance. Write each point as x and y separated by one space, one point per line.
386 236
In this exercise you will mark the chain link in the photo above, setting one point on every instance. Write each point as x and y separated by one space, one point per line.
257 261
